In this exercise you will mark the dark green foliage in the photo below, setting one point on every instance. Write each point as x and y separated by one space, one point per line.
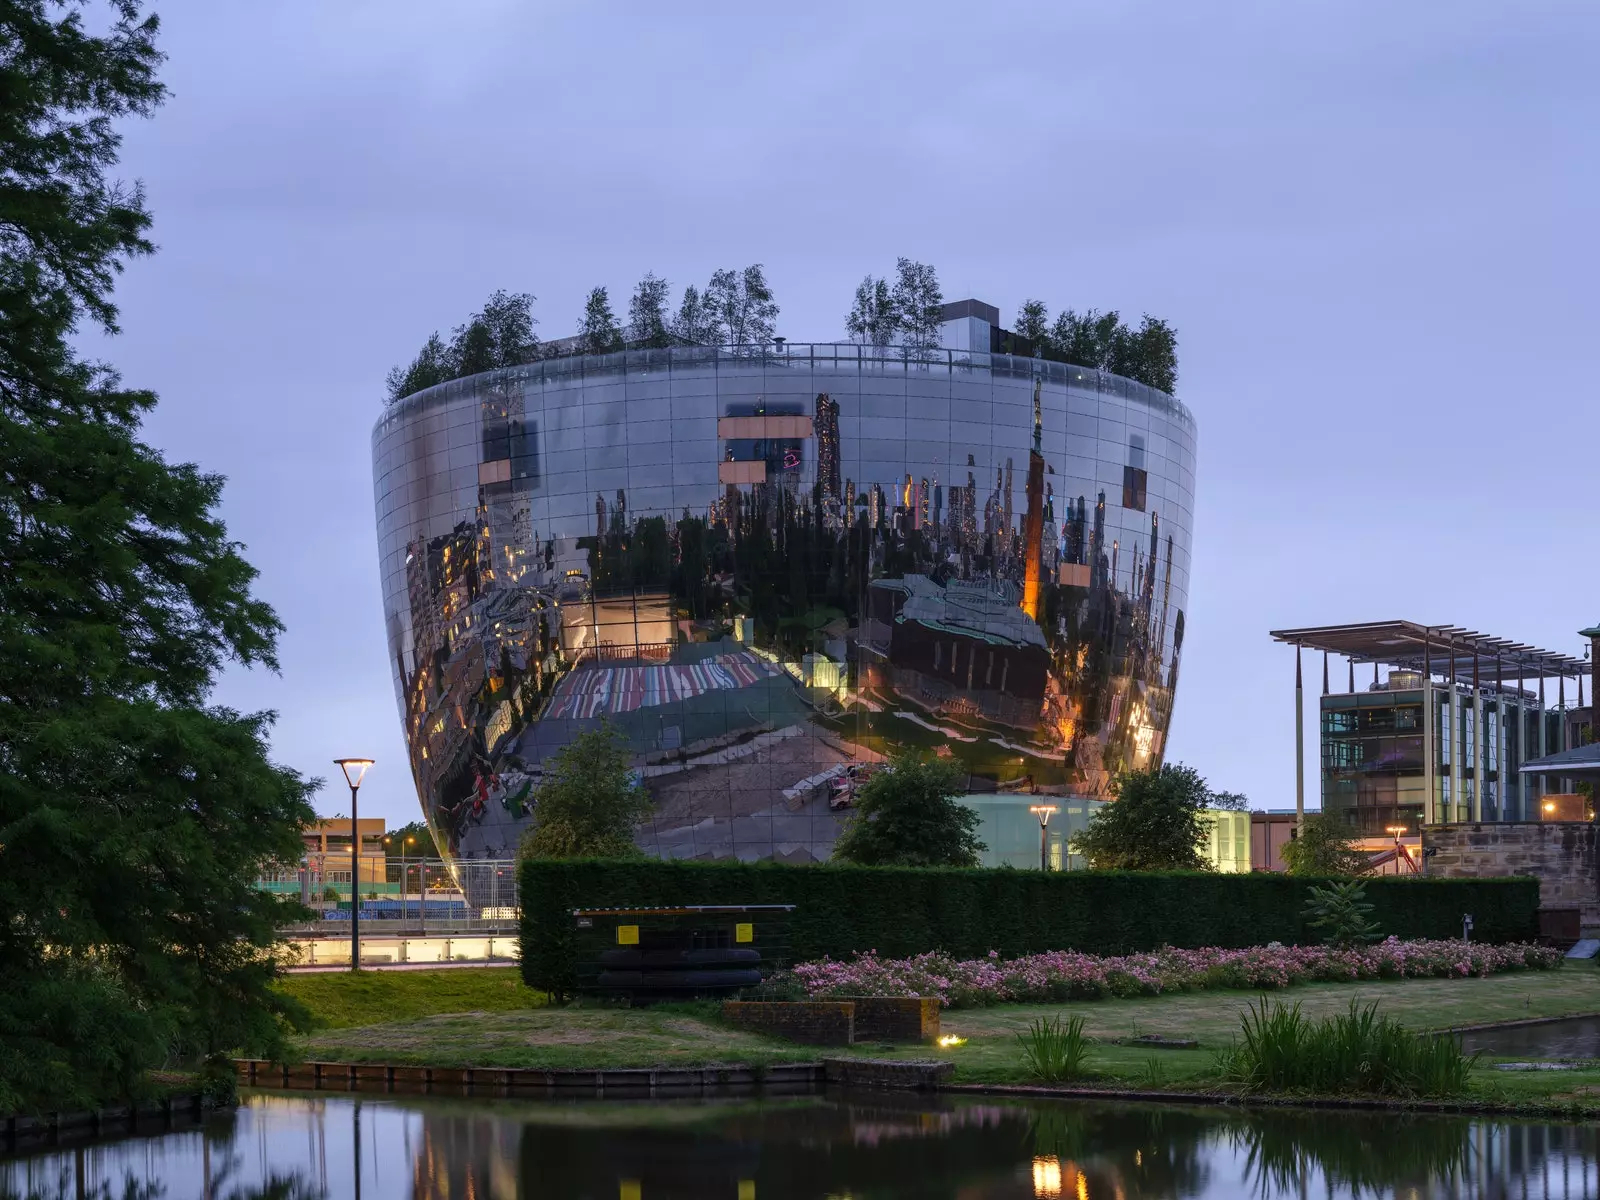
900 911
1228 801
907 816
1280 1050
1154 824
420 839
740 307
501 335
589 803
872 319
598 331
647 313
134 819
917 300
1148 354
1322 846
1033 322
1341 914
1054 1053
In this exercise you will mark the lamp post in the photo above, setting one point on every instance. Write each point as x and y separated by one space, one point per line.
1397 830
1043 812
355 769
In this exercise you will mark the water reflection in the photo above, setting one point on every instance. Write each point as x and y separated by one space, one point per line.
859 1146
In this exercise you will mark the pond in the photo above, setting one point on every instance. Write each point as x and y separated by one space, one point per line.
859 1145
1576 1037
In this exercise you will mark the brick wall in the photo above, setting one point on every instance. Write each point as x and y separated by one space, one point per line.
1563 855
814 1022
896 1019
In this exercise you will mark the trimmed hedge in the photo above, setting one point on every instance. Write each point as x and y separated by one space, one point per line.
901 911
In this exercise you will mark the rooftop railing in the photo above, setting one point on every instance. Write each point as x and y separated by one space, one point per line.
811 356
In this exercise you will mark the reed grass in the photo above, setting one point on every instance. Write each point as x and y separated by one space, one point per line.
1278 1049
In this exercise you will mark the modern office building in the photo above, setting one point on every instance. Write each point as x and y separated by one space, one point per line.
765 565
1441 731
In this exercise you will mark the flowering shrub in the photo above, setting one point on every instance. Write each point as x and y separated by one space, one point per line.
1068 975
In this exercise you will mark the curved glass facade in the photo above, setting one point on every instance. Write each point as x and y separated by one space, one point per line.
769 571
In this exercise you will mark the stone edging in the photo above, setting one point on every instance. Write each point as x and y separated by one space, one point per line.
1520 1023
19 1132
898 1074
1224 1100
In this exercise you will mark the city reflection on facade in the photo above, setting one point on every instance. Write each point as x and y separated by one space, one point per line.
763 568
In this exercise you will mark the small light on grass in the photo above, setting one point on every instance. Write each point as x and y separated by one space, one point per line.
949 1040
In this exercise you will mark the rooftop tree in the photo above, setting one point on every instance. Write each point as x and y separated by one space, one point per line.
647 313
135 814
742 306
695 324
917 303
873 318
598 333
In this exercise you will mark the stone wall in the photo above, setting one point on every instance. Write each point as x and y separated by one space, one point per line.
897 1019
814 1022
1563 855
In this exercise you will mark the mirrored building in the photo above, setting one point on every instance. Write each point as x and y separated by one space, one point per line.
770 569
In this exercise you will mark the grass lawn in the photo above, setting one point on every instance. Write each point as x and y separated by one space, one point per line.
346 1000
484 1017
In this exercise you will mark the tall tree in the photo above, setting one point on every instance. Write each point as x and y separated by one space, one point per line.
742 305
1033 323
917 301
872 319
589 802
694 325
134 816
1153 825
509 318
647 313
908 816
1323 846
432 365
598 332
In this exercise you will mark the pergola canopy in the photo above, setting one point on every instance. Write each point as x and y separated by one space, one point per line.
1582 763
1413 647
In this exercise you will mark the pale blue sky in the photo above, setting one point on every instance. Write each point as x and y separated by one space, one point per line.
1372 224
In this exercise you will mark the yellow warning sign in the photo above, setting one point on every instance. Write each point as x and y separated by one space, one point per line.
744 933
627 935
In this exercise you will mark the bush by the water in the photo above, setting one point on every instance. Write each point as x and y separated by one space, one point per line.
1067 975
902 911
1280 1050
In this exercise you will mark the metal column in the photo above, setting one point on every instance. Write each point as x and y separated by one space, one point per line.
1430 814
1299 744
1480 744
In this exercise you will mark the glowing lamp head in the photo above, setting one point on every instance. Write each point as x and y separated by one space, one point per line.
355 769
1043 811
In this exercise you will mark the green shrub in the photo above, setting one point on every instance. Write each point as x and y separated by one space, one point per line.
1339 912
1052 1053
1279 1050
901 911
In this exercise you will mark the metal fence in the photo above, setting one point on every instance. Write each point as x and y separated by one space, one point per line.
402 895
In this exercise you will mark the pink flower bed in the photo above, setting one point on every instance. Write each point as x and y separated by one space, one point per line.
1067 975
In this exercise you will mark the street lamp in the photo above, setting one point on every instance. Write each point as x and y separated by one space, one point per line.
355 769
1044 813
1397 830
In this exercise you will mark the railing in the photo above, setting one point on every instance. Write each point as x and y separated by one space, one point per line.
402 896
825 356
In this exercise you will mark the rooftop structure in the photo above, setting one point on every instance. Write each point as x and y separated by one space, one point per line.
1446 736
